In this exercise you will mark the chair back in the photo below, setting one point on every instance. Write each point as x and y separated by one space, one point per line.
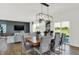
44 46
57 40
25 45
33 34
62 39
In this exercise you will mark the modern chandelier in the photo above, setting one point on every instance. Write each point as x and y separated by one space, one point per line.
40 17
44 16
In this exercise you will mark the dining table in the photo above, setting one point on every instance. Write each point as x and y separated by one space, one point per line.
35 42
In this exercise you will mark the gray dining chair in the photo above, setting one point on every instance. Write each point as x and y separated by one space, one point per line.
26 46
45 45
62 42
57 43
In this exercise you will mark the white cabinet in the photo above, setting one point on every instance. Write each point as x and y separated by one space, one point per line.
10 39
18 38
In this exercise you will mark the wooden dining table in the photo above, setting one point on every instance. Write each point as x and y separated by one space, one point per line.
34 44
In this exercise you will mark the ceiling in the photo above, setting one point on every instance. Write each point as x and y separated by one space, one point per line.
64 7
26 12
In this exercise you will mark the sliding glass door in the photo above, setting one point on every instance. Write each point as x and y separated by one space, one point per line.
63 27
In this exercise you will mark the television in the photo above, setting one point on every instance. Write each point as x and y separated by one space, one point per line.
18 27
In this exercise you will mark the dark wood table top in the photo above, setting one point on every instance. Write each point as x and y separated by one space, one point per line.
37 43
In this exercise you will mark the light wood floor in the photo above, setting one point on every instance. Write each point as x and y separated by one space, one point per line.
15 49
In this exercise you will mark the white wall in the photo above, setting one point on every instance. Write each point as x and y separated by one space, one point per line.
23 12
71 15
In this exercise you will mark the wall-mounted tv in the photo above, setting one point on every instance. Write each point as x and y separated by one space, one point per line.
18 27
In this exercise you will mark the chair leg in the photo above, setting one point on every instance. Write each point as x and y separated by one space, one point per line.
60 50
28 51
37 51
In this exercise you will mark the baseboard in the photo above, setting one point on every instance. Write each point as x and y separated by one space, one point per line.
73 46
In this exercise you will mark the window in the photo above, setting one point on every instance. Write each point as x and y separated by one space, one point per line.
39 27
2 28
57 27
35 27
65 27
